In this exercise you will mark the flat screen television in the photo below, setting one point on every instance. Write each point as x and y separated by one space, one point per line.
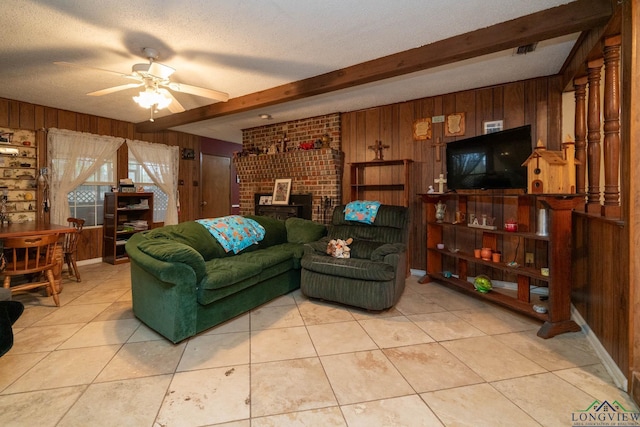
490 161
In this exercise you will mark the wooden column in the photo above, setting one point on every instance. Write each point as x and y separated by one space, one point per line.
593 135
611 207
580 131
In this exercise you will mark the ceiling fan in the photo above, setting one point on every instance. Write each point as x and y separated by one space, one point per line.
154 77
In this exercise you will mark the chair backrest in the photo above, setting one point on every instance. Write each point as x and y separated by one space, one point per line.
390 226
70 243
30 254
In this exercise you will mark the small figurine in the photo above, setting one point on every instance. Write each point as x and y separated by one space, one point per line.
431 190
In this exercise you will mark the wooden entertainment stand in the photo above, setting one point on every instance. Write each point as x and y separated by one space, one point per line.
455 263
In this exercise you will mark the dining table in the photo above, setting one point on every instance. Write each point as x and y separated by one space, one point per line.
39 228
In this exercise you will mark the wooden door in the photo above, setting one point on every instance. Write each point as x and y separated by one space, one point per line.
215 188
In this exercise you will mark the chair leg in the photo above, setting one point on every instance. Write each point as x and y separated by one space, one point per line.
67 261
76 272
72 267
52 287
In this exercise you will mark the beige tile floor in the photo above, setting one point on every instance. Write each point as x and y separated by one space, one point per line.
437 358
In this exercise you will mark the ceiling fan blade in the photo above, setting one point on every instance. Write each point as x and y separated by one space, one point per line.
114 89
159 70
199 91
175 106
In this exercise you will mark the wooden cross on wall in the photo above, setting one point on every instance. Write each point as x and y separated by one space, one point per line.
438 146
378 148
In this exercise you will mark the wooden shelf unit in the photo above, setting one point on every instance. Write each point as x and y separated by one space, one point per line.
18 177
118 210
360 183
552 251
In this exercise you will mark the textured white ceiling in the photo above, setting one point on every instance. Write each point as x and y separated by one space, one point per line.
242 47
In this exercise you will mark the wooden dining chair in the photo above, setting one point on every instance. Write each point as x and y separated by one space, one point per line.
32 257
70 246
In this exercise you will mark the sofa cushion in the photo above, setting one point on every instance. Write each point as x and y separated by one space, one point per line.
171 251
300 230
223 272
353 268
208 296
191 234
275 232
266 257
273 261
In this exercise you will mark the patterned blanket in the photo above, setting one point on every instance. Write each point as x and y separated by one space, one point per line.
234 232
361 211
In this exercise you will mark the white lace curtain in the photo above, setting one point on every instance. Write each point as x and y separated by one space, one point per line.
161 162
74 157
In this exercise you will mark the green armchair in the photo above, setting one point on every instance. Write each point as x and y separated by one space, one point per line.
374 276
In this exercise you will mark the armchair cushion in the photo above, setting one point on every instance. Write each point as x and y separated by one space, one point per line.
364 249
352 268
388 248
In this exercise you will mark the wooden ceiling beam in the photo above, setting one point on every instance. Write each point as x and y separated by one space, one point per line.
574 17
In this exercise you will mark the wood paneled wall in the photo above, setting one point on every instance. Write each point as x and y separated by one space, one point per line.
600 290
536 102
22 115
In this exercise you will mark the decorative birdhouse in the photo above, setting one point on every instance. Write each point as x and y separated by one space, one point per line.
552 172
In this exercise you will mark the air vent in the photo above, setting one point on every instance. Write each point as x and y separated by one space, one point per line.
527 48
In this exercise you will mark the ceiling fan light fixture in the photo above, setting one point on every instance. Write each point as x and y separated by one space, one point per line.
152 98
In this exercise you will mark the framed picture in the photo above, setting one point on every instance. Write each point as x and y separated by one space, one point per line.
492 126
265 200
281 191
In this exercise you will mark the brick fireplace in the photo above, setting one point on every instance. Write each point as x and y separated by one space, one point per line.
317 171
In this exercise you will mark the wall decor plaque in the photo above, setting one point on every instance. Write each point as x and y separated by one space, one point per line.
422 129
454 125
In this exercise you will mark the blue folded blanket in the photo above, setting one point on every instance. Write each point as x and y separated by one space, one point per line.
234 232
361 211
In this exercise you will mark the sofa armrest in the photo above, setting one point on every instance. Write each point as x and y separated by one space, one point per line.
169 261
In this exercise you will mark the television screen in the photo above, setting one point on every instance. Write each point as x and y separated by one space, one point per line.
490 161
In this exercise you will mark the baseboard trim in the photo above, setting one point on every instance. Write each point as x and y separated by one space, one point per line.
89 261
610 365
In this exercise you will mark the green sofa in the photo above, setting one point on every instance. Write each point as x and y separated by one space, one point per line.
374 276
183 282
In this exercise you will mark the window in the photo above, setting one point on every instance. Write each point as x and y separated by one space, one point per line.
140 177
87 200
